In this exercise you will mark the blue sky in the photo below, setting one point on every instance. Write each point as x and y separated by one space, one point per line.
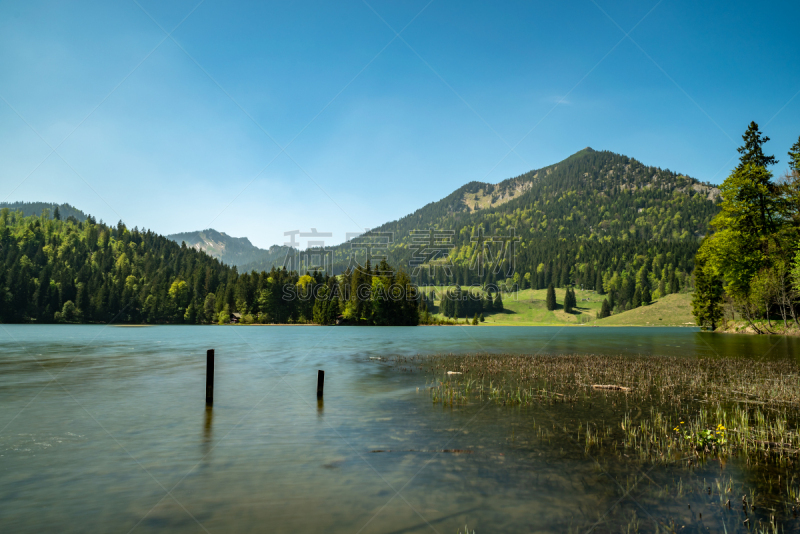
265 117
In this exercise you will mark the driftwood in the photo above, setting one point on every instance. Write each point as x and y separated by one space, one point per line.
550 392
610 387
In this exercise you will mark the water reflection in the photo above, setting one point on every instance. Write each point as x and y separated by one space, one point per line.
208 418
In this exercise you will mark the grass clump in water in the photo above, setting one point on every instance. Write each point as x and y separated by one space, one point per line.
679 413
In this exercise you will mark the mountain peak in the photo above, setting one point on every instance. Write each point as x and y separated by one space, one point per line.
236 251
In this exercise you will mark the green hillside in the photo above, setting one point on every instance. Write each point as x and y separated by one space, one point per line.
672 310
528 308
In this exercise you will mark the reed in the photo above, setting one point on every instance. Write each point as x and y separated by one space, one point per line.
676 412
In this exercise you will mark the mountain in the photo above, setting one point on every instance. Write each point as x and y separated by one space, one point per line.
235 251
590 195
578 221
36 208
594 212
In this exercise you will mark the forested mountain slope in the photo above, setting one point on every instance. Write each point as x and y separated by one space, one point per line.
579 221
105 273
36 208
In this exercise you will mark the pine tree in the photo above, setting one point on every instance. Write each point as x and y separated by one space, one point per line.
794 156
569 300
674 285
551 298
498 302
748 228
636 301
482 318
791 185
598 284
605 310
56 214
752 151
564 280
475 320
707 300
646 297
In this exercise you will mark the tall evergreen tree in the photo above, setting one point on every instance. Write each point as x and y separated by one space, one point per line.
569 300
605 310
752 152
646 296
550 300
498 302
674 285
707 299
636 300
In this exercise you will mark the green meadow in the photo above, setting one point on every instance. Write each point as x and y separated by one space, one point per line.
528 308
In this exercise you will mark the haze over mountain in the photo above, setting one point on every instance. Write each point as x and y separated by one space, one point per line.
234 251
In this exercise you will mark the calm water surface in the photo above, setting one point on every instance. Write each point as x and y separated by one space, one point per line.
104 429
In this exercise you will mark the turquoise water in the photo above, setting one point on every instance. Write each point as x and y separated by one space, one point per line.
105 429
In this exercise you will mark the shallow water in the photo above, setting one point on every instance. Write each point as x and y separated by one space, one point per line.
104 429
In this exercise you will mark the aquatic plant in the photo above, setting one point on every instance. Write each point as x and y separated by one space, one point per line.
681 413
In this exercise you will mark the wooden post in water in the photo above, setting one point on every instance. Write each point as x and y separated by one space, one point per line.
320 382
209 377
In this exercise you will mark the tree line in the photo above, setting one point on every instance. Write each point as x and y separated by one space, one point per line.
67 270
457 302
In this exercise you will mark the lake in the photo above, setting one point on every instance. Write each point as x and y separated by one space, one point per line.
105 429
